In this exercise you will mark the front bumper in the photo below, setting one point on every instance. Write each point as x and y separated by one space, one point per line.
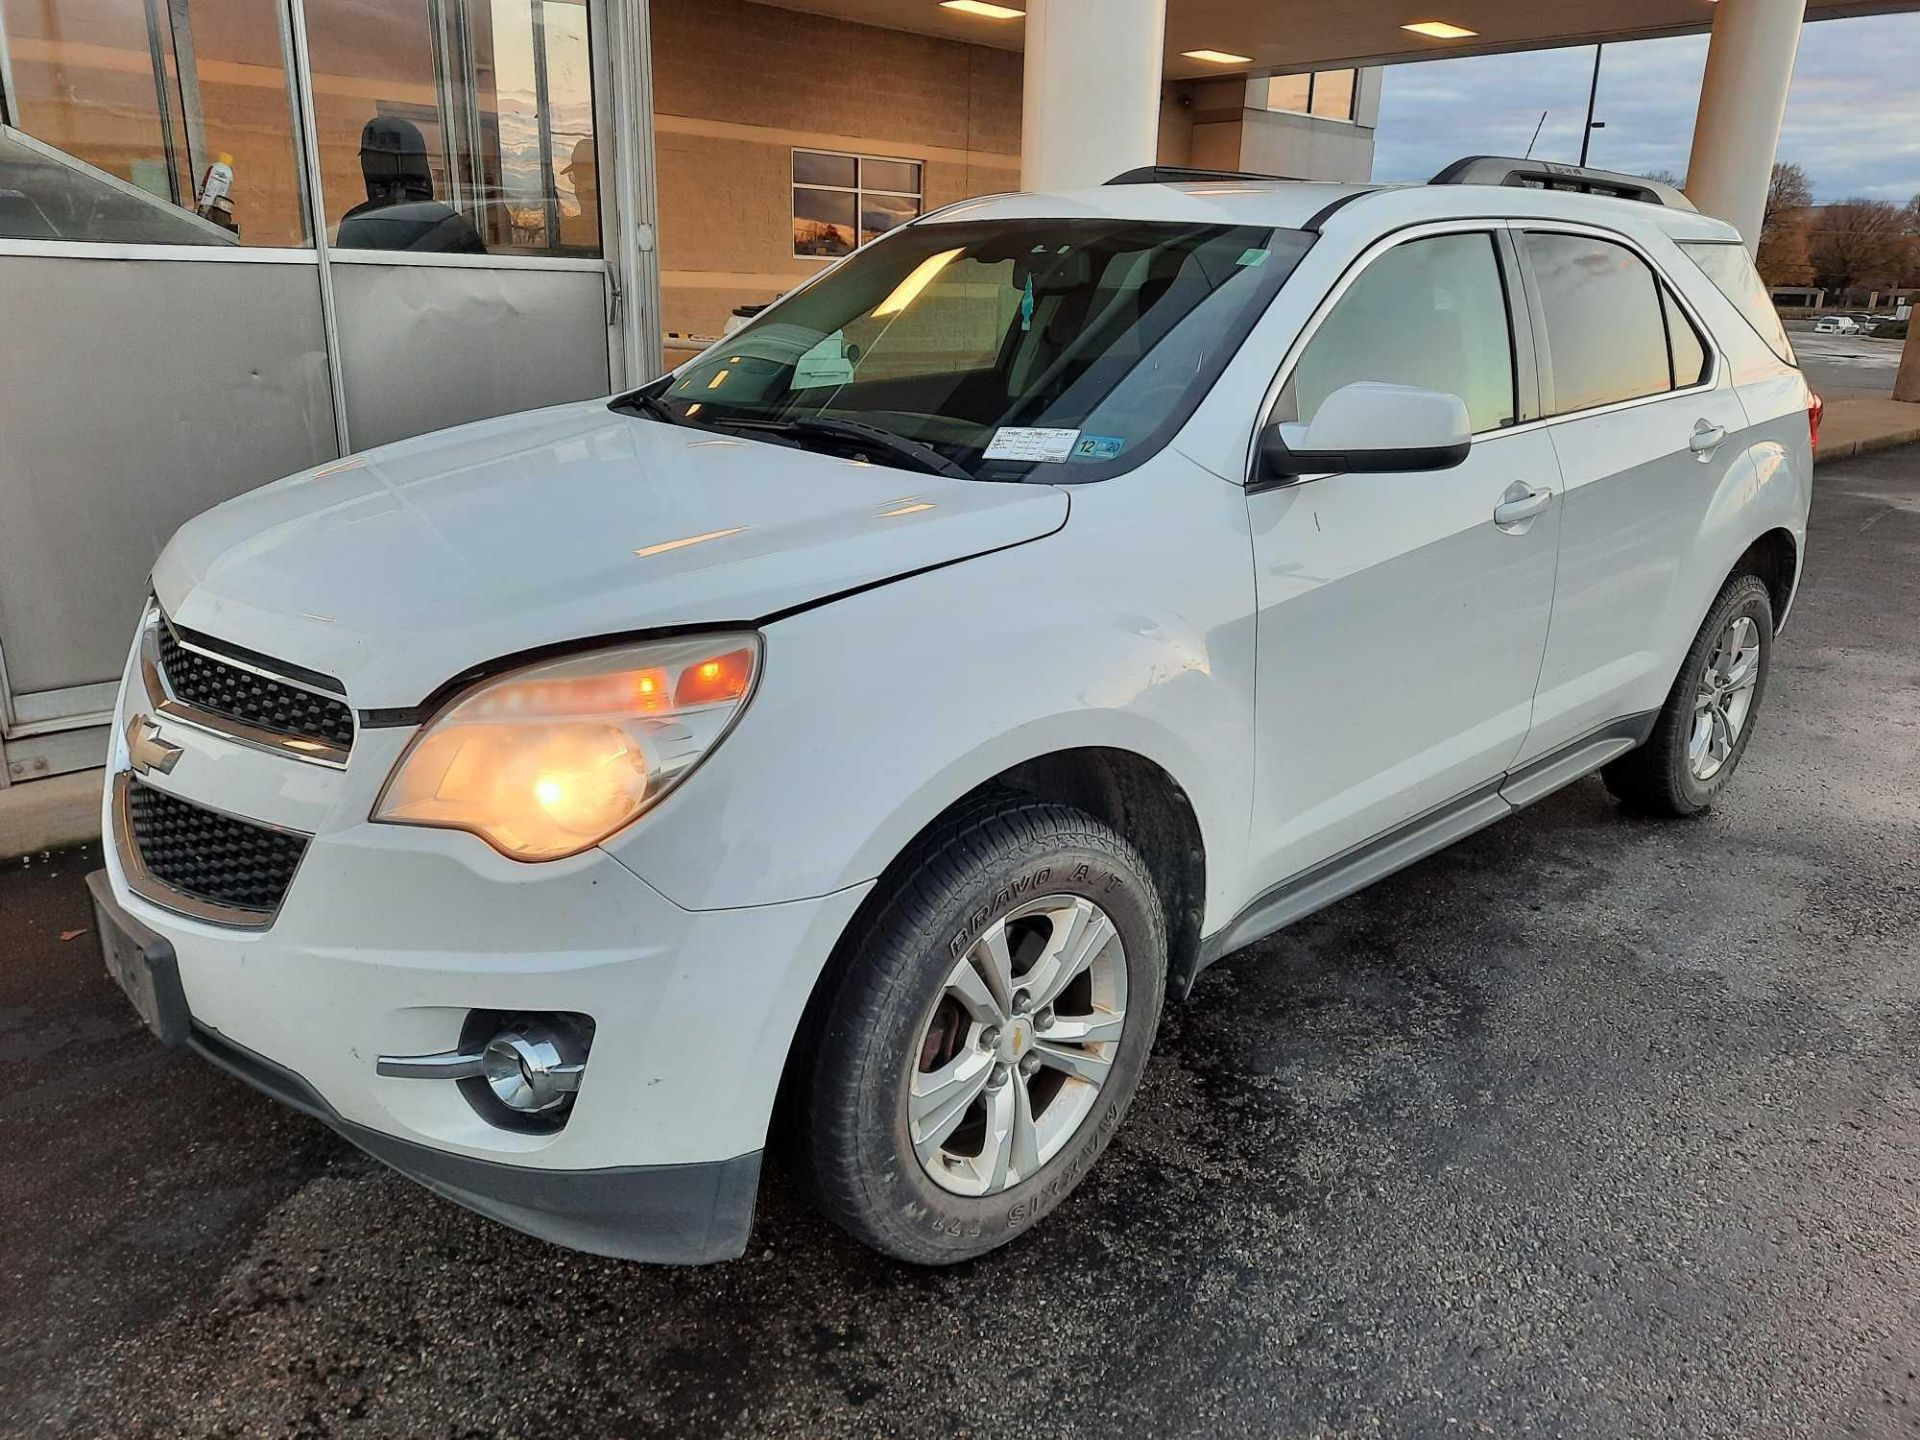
663 1214
694 1014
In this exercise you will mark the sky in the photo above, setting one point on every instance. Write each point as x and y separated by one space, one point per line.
1853 115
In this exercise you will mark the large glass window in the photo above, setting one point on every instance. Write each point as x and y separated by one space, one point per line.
1077 345
840 201
456 126
1431 313
1606 335
1731 271
156 121
1326 93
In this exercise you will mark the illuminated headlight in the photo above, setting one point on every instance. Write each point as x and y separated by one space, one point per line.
548 761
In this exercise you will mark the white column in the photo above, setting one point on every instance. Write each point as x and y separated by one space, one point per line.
1742 100
1091 106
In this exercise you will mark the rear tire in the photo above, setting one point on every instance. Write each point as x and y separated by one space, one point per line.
1703 729
992 1023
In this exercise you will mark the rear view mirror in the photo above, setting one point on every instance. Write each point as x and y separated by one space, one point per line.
1370 427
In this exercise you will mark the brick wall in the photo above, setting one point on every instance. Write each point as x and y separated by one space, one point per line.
737 86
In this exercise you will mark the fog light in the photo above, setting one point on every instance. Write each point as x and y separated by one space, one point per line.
527 1071
517 1071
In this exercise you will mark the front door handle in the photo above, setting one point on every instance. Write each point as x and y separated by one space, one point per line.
1519 505
1707 438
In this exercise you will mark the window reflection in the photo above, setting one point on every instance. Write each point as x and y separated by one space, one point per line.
165 121
456 126
841 201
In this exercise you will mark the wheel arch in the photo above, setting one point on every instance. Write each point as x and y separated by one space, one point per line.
1138 797
1774 559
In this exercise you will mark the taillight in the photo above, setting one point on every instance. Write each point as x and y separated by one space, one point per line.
1816 407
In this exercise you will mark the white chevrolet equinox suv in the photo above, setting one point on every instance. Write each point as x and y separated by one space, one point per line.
847 743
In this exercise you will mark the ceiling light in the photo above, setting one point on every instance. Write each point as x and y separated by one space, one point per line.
1439 30
1218 57
980 7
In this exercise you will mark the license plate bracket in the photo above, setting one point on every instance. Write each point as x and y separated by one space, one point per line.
142 963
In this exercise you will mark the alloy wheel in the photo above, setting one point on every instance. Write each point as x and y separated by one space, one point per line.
1725 698
1013 1056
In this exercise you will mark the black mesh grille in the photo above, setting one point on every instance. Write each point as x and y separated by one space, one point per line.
210 856
210 684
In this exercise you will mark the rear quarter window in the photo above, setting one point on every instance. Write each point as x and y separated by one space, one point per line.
1727 265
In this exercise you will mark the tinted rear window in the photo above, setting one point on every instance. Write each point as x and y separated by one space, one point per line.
1606 335
1733 275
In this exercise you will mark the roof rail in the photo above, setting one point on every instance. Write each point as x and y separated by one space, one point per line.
1176 174
1548 175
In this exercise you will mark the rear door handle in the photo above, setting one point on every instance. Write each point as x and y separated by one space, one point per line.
1520 504
1707 438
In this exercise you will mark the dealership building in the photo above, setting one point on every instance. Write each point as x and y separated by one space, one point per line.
240 238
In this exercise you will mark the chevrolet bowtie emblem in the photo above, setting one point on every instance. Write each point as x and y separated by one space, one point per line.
146 750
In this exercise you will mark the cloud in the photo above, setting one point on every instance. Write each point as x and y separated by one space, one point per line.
1853 114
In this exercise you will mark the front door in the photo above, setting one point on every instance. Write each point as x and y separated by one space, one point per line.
1401 626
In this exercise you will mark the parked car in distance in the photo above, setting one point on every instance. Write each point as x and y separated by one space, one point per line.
1835 325
845 745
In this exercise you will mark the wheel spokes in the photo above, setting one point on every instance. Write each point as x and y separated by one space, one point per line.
1016 1074
992 961
1095 1029
1080 1064
938 1100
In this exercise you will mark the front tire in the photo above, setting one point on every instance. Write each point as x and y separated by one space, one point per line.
1703 729
991 1026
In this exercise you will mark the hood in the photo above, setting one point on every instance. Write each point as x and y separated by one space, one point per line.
398 569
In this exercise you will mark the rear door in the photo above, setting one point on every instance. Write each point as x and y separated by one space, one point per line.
1400 625
1645 425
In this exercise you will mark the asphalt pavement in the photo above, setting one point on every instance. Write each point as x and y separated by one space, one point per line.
1591 1126
1848 367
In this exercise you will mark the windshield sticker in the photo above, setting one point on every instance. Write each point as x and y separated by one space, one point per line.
1098 447
824 363
1019 442
1253 257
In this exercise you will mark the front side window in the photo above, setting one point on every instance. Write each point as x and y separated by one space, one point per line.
1731 271
1606 334
149 123
1431 313
841 201
1078 346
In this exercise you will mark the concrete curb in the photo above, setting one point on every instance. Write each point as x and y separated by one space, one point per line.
48 814
1866 445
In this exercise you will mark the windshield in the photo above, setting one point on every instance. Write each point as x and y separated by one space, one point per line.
1074 347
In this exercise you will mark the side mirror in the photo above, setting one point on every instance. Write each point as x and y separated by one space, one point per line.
1370 427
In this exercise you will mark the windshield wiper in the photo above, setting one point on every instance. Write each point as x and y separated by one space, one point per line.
853 431
651 405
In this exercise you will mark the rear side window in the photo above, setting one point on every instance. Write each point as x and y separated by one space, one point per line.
1431 313
1689 350
1733 275
1606 330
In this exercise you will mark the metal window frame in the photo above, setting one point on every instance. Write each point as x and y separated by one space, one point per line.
858 190
620 67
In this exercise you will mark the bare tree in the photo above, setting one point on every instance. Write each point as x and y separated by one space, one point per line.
1859 242
1782 254
1788 190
